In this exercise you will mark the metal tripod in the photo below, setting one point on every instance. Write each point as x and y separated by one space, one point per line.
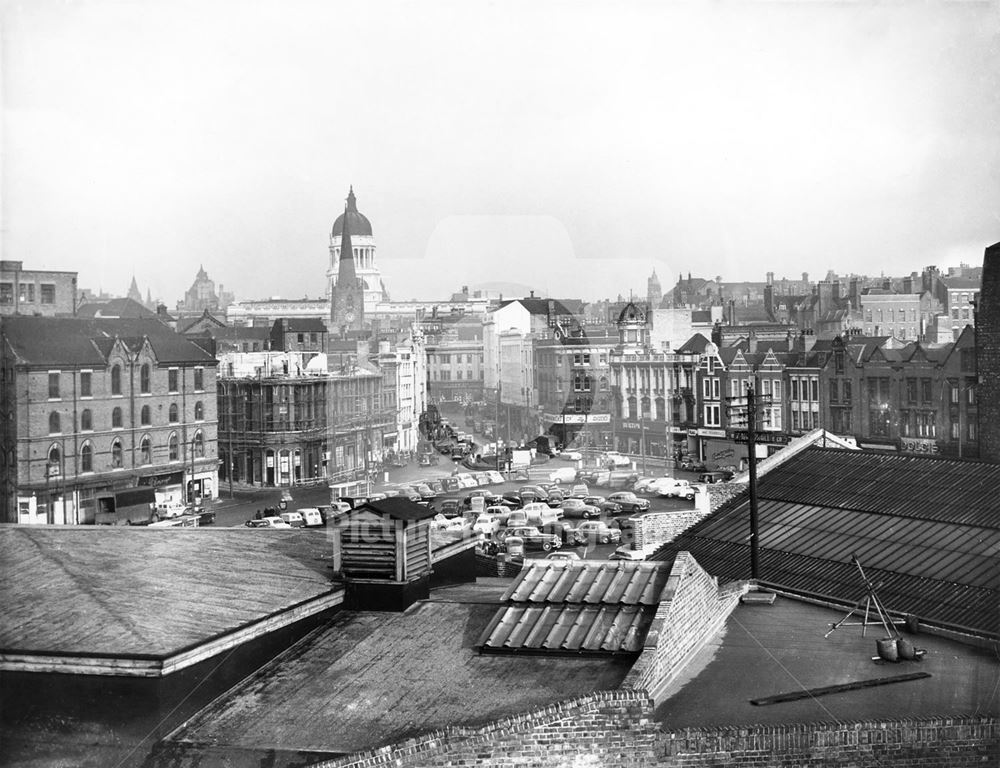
870 600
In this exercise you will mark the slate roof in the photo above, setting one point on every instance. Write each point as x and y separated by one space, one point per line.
399 508
538 306
927 529
73 341
581 607
300 325
114 308
696 344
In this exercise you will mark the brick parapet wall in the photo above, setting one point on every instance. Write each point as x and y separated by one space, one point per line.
499 566
655 528
610 727
692 608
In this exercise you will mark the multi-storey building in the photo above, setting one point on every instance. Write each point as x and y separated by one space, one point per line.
92 408
454 359
905 316
36 291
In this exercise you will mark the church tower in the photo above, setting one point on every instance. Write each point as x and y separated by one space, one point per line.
363 252
654 292
347 295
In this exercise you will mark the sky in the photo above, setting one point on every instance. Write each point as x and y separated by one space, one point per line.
572 147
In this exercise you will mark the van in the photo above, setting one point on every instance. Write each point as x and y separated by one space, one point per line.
294 519
165 510
311 517
539 514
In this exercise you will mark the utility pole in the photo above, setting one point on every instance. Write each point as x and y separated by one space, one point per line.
752 461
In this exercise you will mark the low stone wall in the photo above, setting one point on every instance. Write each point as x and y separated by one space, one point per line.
691 611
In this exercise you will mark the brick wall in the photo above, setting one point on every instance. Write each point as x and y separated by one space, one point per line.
497 565
691 610
655 528
603 728
988 356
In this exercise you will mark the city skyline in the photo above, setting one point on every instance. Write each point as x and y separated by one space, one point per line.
513 144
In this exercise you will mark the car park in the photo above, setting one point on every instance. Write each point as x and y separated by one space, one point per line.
532 537
563 475
597 532
629 502
294 519
579 508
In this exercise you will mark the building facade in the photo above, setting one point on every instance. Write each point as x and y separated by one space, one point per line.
95 408
36 291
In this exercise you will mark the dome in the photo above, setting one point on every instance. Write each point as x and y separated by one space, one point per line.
358 223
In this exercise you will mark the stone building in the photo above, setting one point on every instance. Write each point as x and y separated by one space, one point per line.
36 291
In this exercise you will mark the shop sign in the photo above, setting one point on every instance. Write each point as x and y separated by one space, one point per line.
692 433
677 430
158 481
705 432
599 418
631 425
574 418
555 418
776 438
918 445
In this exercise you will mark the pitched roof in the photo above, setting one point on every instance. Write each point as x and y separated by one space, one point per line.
300 325
926 528
696 344
399 508
538 306
125 308
76 341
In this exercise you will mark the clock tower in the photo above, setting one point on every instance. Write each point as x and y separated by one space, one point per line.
347 296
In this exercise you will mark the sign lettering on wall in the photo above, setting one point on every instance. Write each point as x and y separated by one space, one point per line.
918 445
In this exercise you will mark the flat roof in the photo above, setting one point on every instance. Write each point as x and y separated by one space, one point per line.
765 650
142 601
369 679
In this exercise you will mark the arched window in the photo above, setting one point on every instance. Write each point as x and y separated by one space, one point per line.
146 450
604 383
116 418
116 380
55 460
86 420
172 446
144 378
172 414
144 415
116 454
199 445
199 411
54 422
87 458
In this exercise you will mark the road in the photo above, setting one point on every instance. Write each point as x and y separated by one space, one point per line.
234 512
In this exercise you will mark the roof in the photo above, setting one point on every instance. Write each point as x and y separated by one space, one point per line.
126 308
580 607
961 282
696 344
75 341
69 597
701 316
537 306
926 528
371 678
300 325
764 650
184 325
398 507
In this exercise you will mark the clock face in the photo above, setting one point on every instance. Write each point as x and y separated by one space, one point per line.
349 316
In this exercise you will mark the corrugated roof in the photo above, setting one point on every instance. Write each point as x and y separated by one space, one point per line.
578 607
927 530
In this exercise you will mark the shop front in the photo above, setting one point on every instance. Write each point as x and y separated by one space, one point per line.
643 438
579 430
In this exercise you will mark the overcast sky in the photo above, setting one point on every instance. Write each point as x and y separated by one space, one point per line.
569 146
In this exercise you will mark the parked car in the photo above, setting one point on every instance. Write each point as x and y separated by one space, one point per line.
564 530
479 493
563 475
642 485
569 455
562 556
532 537
294 519
424 490
451 484
603 505
715 476
268 522
579 491
495 477
437 486
466 480
501 513
339 507
167 510
483 478
486 524
516 517
692 465
629 502
512 498
579 508
618 459
671 487
535 490
597 532
626 553
450 507
539 513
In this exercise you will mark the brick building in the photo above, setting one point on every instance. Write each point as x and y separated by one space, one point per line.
92 408
988 355
36 291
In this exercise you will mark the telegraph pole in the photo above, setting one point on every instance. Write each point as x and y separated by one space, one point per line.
752 461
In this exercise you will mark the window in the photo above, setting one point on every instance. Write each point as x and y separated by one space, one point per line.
927 424
146 450
6 293
972 431
48 292
956 430
172 380
144 379
838 362
144 416
116 418
846 392
85 383
795 389
766 387
199 411
795 420
777 389
834 391
53 385
911 391
172 413
814 390
926 391
199 445
116 380
199 381
172 446
116 454
712 418
54 468
86 458
86 420
970 394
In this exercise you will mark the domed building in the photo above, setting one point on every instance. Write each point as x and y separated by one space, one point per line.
363 248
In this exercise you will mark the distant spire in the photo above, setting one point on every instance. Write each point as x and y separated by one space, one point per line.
133 291
352 201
